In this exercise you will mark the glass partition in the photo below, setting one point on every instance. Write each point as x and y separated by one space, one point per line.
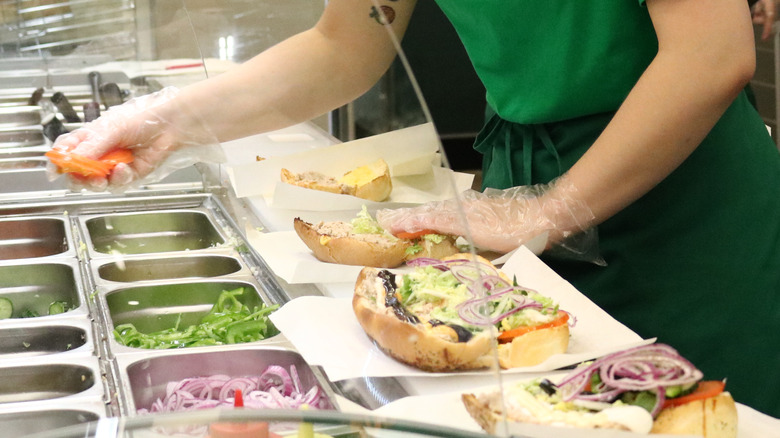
299 125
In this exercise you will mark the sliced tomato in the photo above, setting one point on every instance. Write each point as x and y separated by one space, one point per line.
409 235
508 335
118 155
705 389
68 162
77 164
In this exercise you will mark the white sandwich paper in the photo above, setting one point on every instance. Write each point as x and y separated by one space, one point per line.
408 151
290 258
447 410
434 184
326 332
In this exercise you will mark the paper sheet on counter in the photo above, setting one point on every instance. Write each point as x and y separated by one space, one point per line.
293 261
447 410
290 258
408 151
436 184
326 332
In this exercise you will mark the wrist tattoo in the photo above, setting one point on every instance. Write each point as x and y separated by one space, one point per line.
386 16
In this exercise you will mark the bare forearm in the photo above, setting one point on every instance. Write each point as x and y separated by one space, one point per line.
677 101
302 77
295 81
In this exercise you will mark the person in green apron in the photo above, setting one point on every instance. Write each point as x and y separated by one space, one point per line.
695 259
628 114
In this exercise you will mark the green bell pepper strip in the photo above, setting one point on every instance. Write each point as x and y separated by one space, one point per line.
228 322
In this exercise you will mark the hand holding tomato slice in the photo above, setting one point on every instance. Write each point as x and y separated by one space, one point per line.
138 142
69 162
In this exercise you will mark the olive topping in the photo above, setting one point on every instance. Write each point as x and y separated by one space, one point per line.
548 387
463 334
391 301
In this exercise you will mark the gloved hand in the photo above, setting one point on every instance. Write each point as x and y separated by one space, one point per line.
502 220
162 134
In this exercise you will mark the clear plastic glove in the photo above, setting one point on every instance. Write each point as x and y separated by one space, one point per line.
502 220
163 136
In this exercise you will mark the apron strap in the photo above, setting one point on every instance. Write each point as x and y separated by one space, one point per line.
529 132
541 132
515 138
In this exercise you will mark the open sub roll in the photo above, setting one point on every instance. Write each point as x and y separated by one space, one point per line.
429 318
647 389
362 242
371 182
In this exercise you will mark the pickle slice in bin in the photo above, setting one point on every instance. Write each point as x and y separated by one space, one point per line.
6 308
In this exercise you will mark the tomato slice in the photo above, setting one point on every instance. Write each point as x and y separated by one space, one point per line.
508 335
414 235
705 389
118 155
68 162
71 163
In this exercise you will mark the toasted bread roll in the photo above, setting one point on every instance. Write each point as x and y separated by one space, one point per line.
714 417
482 412
413 340
434 250
534 347
487 411
413 344
316 181
371 181
334 242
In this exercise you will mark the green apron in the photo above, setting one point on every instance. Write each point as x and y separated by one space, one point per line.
696 261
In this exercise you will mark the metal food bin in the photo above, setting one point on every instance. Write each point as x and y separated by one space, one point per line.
149 259
152 256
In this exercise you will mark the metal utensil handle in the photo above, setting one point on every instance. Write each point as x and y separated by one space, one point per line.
63 105
94 83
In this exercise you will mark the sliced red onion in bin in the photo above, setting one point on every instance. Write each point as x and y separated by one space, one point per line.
275 388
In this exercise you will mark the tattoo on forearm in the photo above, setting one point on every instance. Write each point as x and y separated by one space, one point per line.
386 16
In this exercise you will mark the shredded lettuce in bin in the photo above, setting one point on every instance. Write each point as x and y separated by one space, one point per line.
228 322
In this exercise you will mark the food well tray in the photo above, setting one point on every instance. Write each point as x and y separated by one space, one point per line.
151 232
155 307
50 378
21 136
48 415
145 378
149 260
35 237
33 288
21 340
